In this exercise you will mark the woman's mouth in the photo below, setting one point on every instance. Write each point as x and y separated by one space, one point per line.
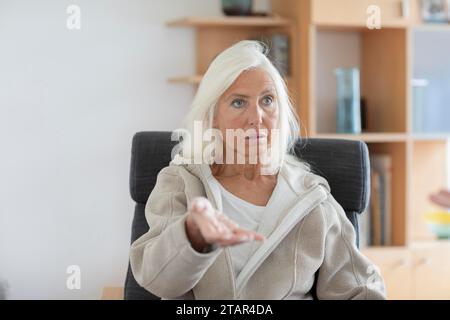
256 137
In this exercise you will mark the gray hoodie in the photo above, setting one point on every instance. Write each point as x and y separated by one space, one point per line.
310 246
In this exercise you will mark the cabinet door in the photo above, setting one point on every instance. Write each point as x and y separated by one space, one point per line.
395 267
354 12
432 272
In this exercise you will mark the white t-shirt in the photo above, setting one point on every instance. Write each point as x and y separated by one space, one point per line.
248 216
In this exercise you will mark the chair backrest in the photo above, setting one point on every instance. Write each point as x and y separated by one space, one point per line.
345 165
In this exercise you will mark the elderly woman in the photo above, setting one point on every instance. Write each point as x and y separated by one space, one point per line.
264 227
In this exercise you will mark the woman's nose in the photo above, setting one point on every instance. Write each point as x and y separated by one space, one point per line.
255 115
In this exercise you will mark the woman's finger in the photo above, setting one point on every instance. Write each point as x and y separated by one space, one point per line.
213 230
225 236
217 228
226 220
203 211
211 227
201 205
235 240
249 233
241 236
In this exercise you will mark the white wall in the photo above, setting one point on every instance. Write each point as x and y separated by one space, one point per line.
70 102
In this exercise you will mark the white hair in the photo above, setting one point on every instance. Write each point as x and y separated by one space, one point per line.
222 73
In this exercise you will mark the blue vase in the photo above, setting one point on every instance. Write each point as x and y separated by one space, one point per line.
348 113
419 103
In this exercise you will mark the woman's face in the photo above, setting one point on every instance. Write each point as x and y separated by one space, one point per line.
250 104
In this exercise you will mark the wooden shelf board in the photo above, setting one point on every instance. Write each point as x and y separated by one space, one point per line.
382 247
429 243
359 27
366 137
430 136
340 28
432 27
230 22
352 27
194 79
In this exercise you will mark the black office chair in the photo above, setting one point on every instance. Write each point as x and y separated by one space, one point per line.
345 165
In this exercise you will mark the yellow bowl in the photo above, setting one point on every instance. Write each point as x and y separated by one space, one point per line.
438 223
438 217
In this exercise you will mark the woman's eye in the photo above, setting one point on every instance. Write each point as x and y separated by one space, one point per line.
267 101
238 103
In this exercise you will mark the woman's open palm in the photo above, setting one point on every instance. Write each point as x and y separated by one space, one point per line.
215 227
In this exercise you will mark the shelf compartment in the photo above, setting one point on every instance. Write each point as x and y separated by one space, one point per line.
399 188
381 56
337 13
215 34
429 174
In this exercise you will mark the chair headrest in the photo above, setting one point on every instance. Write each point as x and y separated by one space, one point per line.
150 152
345 165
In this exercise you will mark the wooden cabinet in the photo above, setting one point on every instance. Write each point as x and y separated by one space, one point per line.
420 271
393 13
431 271
395 267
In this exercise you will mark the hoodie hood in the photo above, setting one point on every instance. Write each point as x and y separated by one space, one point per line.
295 172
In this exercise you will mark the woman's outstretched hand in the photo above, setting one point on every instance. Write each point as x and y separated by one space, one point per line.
205 226
441 198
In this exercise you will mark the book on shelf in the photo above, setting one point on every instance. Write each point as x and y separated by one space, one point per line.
375 223
279 46
375 210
